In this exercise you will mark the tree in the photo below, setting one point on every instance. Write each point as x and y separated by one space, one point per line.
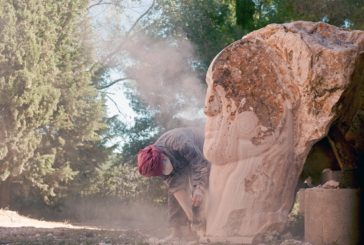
244 11
342 13
51 116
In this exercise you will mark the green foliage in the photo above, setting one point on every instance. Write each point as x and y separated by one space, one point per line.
125 183
28 66
342 13
209 25
296 221
244 11
51 115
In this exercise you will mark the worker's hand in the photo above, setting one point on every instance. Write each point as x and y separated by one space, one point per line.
197 197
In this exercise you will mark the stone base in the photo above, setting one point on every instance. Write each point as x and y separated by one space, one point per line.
239 240
333 215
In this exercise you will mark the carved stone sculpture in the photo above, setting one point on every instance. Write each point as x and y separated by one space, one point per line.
271 96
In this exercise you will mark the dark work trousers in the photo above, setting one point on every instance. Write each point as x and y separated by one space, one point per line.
176 215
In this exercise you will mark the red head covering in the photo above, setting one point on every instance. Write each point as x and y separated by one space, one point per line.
150 161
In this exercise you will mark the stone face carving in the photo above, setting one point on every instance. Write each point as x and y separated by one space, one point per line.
271 96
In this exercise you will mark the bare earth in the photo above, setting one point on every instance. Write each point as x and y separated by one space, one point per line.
18 229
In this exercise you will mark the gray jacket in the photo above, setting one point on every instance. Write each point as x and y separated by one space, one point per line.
184 148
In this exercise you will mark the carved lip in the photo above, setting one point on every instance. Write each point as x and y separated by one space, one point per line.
210 134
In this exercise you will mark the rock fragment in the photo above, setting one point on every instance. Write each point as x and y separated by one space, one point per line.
331 184
123 235
287 236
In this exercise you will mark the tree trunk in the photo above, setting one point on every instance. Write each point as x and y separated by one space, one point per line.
5 193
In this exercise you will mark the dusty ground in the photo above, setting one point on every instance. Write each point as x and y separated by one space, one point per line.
18 229
143 227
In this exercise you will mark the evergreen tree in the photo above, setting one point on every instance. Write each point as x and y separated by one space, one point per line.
51 115
28 67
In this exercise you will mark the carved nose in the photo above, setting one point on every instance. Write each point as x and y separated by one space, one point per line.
211 106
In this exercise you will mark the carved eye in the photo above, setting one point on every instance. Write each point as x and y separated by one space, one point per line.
247 125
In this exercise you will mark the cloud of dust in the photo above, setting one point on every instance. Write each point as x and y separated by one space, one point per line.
163 70
166 77
100 212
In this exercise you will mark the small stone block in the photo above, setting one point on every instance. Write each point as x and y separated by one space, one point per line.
236 240
333 215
